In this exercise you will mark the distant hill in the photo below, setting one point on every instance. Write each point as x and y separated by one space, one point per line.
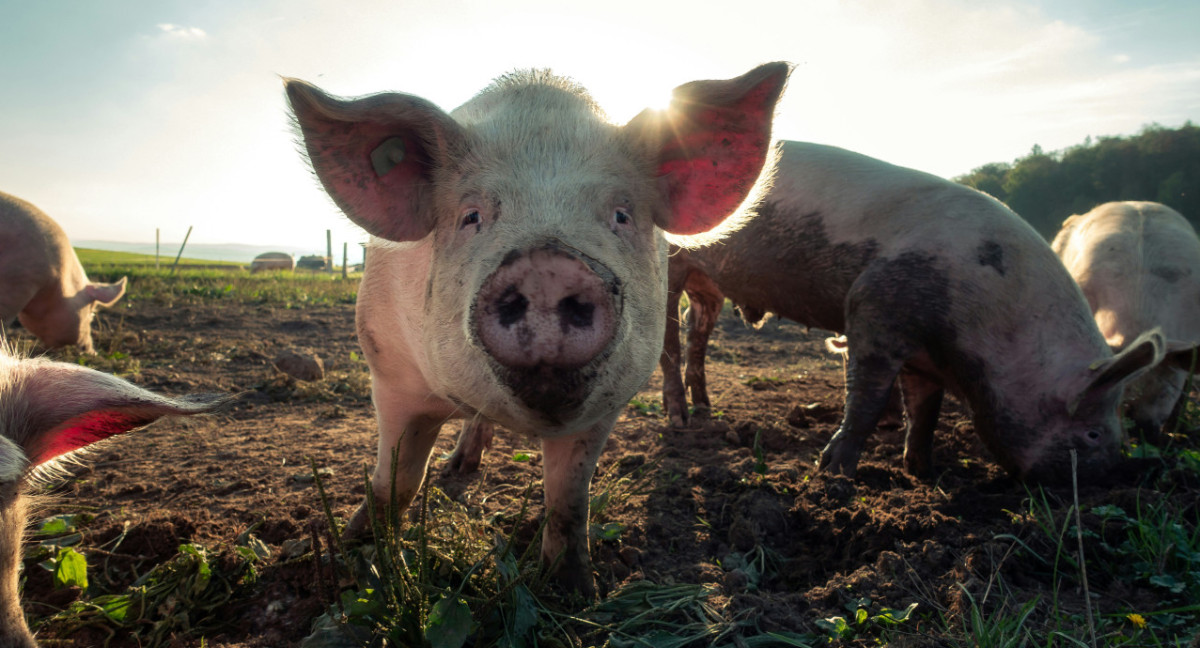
236 252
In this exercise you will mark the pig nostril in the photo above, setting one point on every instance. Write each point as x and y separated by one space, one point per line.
574 313
511 306
1093 435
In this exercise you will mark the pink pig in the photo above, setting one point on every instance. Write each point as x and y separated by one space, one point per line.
1138 264
44 284
517 270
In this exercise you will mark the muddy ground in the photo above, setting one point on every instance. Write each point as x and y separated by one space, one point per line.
742 483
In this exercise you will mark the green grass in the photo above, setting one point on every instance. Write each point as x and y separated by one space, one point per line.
164 287
95 258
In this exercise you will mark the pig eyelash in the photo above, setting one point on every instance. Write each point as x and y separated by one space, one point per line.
472 217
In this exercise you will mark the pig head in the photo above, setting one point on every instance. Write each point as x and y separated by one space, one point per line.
517 270
45 285
48 410
1138 264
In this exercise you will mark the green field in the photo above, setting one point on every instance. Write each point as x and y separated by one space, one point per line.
198 280
93 258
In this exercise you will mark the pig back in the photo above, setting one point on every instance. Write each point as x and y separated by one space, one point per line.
1138 264
32 254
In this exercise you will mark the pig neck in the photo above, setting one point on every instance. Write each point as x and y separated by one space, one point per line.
13 630
390 312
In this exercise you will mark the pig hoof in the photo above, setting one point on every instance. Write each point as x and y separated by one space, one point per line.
919 467
358 529
462 464
577 584
837 459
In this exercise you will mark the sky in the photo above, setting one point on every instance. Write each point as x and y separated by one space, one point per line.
123 116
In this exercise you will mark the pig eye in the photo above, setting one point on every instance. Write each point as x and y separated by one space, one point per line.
622 217
471 218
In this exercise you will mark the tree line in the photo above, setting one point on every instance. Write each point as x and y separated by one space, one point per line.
1158 164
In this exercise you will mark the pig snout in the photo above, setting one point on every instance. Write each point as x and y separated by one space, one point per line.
543 316
546 307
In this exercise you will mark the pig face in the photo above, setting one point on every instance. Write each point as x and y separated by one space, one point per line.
544 225
68 321
1087 420
547 278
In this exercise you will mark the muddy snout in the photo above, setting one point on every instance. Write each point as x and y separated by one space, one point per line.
547 307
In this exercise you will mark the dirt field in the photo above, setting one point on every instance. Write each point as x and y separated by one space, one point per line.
733 501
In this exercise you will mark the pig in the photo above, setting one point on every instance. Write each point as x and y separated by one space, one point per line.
48 411
1138 264
44 284
517 264
934 284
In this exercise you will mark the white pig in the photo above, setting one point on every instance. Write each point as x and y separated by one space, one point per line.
47 411
1138 264
518 264
933 283
41 280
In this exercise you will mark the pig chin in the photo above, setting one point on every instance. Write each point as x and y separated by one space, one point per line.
557 396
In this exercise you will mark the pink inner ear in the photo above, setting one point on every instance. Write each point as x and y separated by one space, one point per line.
389 206
714 161
83 431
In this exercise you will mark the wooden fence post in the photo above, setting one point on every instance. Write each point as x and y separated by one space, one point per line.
185 240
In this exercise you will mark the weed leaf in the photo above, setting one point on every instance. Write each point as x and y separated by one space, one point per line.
449 623
70 569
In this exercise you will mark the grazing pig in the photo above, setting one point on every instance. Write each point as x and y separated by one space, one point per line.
48 410
1138 264
517 266
44 284
933 283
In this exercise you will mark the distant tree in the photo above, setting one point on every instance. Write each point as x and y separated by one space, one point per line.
1159 164
989 179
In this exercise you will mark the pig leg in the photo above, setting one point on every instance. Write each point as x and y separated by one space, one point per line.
1173 419
413 437
881 333
674 395
922 404
475 437
706 301
869 380
570 462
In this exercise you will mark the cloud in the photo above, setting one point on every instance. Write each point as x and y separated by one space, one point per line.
179 32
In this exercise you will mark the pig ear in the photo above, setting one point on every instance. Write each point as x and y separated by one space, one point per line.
374 155
64 407
1144 353
105 294
1184 355
711 145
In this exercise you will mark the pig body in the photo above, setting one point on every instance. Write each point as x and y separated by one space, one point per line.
43 283
47 411
934 284
517 268
1138 264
